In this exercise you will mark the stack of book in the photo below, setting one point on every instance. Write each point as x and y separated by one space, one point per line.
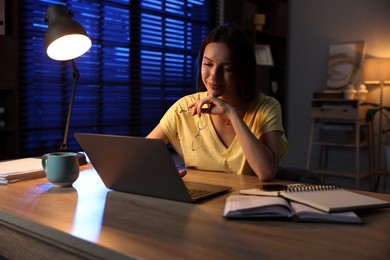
20 169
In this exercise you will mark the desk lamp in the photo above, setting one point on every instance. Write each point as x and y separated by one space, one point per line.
65 40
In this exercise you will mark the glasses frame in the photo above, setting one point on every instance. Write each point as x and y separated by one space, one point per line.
198 139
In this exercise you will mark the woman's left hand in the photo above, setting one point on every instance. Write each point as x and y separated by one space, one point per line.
214 106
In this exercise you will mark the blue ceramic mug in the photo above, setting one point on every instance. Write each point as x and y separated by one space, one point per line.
62 168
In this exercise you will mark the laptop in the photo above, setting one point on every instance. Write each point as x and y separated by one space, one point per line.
141 166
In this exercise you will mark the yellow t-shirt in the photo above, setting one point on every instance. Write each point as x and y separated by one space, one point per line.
196 141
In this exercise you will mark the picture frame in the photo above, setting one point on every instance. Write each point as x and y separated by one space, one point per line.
345 61
263 55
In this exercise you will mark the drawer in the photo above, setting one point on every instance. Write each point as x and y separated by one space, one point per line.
335 112
337 109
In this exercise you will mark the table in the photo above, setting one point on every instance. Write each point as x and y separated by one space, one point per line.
88 221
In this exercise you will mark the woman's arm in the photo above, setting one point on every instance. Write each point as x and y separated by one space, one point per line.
262 155
158 133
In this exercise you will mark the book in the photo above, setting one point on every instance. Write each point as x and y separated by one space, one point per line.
328 198
270 207
20 169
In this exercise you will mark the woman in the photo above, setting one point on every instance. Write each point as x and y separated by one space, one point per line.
227 126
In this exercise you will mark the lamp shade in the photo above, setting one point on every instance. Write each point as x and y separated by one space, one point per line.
377 69
65 39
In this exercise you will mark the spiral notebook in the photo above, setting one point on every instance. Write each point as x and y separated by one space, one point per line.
328 198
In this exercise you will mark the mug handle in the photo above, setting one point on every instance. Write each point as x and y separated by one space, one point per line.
44 161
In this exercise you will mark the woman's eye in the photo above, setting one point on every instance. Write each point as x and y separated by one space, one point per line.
207 64
228 68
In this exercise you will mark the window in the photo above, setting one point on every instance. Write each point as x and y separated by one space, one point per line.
142 60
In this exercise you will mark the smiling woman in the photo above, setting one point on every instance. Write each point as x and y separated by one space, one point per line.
241 130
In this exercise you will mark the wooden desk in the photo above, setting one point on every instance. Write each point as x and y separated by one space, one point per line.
38 221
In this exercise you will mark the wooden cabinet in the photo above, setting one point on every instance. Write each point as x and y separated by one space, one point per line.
339 124
271 79
9 82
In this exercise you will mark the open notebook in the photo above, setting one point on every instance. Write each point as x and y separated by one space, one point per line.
323 197
260 207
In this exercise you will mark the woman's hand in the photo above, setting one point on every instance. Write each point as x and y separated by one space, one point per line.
182 173
214 106
262 154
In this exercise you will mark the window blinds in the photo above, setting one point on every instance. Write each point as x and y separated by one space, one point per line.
142 60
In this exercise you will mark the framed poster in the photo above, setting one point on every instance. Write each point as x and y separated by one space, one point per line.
345 63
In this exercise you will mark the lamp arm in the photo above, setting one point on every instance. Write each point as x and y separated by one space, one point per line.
76 75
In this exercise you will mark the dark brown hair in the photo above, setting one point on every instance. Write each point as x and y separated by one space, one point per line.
243 57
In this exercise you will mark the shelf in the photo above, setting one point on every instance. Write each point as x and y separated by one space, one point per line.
381 171
7 129
336 124
272 67
349 145
7 89
270 34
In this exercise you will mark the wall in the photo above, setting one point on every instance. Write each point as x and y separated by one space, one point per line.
314 25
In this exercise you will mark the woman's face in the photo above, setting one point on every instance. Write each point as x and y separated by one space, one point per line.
218 71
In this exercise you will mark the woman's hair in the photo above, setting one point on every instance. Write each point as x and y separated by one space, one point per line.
243 54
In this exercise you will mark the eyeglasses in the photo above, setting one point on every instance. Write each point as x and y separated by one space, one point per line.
197 141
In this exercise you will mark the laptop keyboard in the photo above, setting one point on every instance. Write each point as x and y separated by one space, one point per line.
199 191
195 193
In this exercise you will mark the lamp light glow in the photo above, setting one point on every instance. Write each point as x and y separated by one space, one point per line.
69 47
